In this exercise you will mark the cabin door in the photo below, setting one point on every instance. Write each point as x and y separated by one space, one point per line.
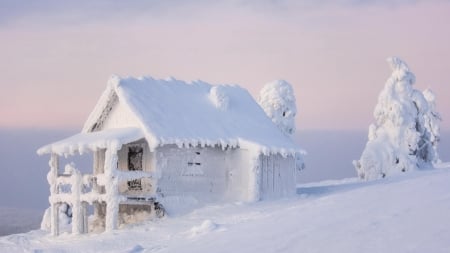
271 176
135 163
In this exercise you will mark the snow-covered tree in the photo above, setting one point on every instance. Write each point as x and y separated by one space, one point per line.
278 101
432 121
400 139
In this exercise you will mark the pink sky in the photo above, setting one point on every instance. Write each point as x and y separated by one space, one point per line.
55 61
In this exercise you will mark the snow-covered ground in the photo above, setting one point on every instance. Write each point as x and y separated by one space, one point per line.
406 213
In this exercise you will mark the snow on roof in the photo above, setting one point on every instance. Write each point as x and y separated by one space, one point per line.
93 141
171 111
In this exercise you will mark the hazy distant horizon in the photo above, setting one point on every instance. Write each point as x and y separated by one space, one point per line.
24 173
330 155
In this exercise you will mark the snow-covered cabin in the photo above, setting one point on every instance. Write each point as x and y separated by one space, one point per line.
154 141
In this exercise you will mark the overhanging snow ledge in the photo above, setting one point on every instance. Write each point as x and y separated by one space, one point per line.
93 141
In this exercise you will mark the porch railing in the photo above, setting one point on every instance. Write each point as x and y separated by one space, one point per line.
79 191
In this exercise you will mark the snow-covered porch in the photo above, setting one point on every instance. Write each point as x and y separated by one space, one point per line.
101 188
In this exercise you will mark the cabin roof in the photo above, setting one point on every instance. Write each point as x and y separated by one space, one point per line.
196 113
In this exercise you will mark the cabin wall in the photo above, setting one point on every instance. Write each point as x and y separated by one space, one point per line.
199 173
230 175
119 117
209 174
277 176
241 163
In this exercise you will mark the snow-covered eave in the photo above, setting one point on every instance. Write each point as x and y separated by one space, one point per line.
80 143
289 149
181 142
285 150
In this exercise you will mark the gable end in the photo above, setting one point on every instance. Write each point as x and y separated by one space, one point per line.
101 112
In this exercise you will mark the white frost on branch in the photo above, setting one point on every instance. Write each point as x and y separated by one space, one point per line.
432 119
278 101
402 137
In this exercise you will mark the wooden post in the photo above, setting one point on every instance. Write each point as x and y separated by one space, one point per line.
255 177
54 219
152 209
112 191
52 180
85 218
77 212
98 168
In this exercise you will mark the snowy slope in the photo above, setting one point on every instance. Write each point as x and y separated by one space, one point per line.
409 213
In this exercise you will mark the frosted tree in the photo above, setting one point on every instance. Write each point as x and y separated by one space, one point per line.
278 101
432 120
400 138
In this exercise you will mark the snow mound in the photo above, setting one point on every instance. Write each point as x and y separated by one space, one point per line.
64 218
219 98
176 205
136 249
206 227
